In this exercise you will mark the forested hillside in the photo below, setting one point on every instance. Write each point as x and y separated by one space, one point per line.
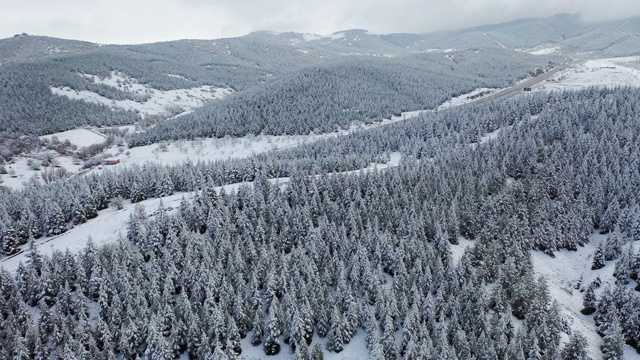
335 95
328 257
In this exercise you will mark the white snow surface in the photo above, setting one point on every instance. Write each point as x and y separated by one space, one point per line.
159 101
545 51
609 73
356 349
177 76
311 37
335 36
468 97
79 137
196 150
564 273
458 250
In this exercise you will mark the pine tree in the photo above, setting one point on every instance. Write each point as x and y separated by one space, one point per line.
598 257
316 352
589 301
576 348
8 240
302 352
613 245
338 336
54 219
622 267
273 331
612 346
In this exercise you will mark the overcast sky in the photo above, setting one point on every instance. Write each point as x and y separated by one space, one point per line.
140 21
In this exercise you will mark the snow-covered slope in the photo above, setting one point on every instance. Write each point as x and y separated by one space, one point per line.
568 274
156 101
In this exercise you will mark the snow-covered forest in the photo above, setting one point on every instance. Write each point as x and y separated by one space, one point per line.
334 256
412 211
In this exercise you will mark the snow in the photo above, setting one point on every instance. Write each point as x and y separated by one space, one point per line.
79 137
468 97
496 40
178 152
338 36
159 101
24 173
177 76
212 149
335 36
311 37
104 229
356 349
458 250
563 273
609 73
490 136
545 51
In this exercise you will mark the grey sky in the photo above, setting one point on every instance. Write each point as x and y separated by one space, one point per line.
138 21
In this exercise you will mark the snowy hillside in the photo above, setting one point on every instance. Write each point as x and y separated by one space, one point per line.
152 101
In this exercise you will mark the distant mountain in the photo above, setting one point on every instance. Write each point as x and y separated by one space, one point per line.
28 47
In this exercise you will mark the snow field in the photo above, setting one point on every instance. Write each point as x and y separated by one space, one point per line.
545 51
609 73
79 137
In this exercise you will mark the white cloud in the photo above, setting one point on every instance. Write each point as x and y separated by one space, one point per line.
120 21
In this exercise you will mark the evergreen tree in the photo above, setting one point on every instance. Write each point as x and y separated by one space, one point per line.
576 348
612 346
599 257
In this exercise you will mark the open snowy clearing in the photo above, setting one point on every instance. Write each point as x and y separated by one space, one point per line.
157 101
599 72
572 269
24 173
79 137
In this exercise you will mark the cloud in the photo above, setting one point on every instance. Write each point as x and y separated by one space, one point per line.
120 21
